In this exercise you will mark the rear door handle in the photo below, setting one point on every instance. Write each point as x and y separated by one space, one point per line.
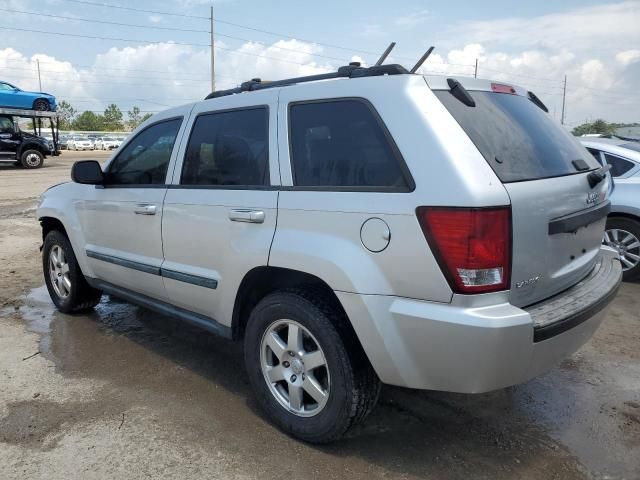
246 215
145 209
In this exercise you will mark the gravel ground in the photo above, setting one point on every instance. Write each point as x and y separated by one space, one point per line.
125 393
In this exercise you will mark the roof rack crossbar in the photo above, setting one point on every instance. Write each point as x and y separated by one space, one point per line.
352 70
422 60
385 54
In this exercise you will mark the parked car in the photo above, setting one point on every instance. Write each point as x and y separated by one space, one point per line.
63 141
12 97
80 143
419 239
22 148
107 143
623 224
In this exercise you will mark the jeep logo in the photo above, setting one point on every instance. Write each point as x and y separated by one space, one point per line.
593 198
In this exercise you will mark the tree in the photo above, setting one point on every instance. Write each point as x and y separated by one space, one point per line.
112 119
599 126
134 117
67 114
88 121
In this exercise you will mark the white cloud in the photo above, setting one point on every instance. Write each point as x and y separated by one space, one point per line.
411 20
155 18
628 57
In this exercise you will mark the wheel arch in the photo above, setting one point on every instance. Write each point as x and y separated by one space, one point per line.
33 104
49 224
261 281
625 215
31 146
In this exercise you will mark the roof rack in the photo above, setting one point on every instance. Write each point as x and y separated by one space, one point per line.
353 70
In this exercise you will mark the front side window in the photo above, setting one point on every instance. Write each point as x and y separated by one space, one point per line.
228 148
341 143
5 86
6 125
145 159
619 166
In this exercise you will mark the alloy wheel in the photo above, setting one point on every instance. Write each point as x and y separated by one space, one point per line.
295 368
627 245
59 272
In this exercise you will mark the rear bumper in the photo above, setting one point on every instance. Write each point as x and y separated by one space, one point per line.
454 347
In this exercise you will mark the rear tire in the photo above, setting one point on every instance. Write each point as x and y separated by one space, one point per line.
41 105
344 386
31 159
67 286
623 234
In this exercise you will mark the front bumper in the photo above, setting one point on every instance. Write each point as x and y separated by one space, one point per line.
473 349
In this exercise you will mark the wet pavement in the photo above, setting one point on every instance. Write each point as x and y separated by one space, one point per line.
159 398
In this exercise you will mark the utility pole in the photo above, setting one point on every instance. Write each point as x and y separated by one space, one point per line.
213 56
564 96
475 74
39 79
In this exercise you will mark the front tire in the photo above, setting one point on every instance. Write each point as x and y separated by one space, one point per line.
623 234
41 105
65 282
31 159
307 369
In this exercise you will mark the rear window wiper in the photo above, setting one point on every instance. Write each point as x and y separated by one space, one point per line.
597 176
461 93
534 98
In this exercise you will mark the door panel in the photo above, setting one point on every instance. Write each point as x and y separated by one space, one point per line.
220 212
124 247
122 221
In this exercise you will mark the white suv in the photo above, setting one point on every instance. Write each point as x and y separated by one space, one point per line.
366 226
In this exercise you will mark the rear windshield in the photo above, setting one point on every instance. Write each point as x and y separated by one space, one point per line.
518 139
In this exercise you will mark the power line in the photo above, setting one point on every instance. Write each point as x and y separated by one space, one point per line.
89 20
79 19
132 9
151 42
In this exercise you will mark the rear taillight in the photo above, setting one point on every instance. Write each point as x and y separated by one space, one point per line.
472 246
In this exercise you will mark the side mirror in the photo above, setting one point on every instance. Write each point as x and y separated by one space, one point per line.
87 172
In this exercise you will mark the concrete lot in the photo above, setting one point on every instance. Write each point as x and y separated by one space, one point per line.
125 393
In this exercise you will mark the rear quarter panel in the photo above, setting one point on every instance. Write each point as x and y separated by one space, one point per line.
318 232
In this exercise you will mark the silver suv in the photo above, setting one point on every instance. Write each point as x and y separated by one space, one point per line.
366 226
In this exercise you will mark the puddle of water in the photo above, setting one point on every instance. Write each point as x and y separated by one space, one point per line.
573 410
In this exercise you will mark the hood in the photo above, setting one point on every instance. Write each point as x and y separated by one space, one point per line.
44 94
31 136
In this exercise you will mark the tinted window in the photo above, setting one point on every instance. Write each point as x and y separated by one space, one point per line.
619 166
595 153
518 139
228 148
6 125
145 158
632 146
341 143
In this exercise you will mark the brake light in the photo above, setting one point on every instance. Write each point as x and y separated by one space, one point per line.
501 88
472 246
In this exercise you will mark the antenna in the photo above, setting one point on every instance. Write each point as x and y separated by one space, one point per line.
386 53
422 60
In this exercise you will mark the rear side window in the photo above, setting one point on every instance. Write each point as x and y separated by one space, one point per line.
145 159
343 144
228 148
619 166
518 140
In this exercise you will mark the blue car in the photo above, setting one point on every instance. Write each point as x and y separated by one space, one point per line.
12 97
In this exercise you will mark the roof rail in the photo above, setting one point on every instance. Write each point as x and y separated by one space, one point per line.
353 70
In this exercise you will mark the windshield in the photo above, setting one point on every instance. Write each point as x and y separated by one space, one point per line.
108 139
518 139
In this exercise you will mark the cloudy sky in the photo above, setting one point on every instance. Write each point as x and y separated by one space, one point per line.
160 60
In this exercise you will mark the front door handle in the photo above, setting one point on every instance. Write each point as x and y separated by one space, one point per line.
246 215
145 209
